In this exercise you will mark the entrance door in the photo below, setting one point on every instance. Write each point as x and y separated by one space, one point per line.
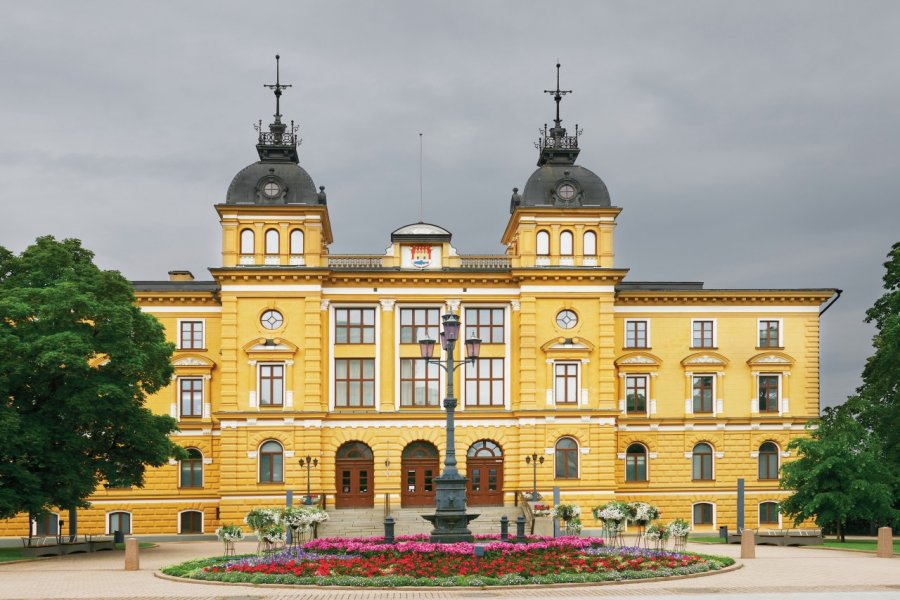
484 470
354 475
420 466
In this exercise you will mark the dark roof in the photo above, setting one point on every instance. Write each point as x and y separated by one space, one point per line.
175 286
543 185
296 186
659 285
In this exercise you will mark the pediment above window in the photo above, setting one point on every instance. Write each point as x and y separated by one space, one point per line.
270 348
638 359
770 360
705 360
574 347
192 364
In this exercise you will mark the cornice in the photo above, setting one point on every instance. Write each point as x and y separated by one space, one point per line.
698 297
181 298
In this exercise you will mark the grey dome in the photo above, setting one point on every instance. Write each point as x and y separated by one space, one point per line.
543 185
295 186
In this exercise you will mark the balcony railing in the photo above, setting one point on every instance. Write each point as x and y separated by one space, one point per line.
356 261
486 262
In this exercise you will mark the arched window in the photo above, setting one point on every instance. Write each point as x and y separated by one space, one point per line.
297 241
565 243
120 521
272 241
190 521
636 463
47 524
566 458
768 461
247 243
702 463
192 470
590 243
768 513
484 449
271 463
543 243
703 513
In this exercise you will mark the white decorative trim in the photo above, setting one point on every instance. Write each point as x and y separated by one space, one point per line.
289 398
785 453
652 455
515 305
421 291
289 454
207 461
567 288
181 309
716 309
585 450
720 454
172 462
287 287
387 304
754 454
637 360
688 454
251 454
620 456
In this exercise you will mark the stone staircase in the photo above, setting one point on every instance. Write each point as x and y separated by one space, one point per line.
369 522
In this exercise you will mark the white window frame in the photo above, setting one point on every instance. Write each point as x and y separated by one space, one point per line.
442 382
757 454
292 247
507 352
646 463
202 322
577 458
779 401
715 334
584 251
202 469
130 519
625 334
202 519
203 392
241 241
284 383
577 402
284 457
714 514
759 523
571 249
780 333
34 524
647 379
537 242
715 392
713 459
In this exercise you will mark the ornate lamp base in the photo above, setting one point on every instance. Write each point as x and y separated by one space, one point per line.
450 520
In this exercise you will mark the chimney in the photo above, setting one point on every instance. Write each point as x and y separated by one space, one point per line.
181 276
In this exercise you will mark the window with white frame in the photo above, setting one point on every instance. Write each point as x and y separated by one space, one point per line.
271 462
703 513
565 382
542 243
119 521
566 243
768 387
566 459
297 241
354 325
484 382
271 384
703 333
637 333
769 513
486 324
354 382
702 462
272 241
418 324
190 521
636 392
247 242
190 397
419 383
191 470
590 243
768 461
703 390
769 333
190 335
636 463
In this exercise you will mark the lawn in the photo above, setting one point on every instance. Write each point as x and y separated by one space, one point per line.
8 554
866 545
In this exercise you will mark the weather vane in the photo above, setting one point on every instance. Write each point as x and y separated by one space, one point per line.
557 96
278 86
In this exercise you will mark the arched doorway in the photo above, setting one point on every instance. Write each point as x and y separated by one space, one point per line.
484 469
420 466
354 475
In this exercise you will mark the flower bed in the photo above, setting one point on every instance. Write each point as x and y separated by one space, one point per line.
413 561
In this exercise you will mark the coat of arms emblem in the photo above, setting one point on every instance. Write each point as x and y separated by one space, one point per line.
420 256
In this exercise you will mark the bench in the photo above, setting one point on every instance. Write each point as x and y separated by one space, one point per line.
40 546
781 537
69 544
98 543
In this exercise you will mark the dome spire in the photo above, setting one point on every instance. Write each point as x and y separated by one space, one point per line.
277 144
554 145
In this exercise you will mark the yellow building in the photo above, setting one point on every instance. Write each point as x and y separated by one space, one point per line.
653 391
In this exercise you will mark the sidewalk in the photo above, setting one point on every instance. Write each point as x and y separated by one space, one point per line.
775 571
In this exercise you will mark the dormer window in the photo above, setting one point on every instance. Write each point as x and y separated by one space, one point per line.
271 190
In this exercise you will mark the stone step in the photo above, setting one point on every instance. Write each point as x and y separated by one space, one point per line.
369 522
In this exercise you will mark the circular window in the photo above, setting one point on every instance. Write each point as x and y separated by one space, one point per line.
567 319
271 319
566 191
271 189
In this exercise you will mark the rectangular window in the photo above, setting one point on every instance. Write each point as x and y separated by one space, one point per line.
418 323
702 334
769 334
768 513
768 393
636 394
271 385
566 383
354 382
190 335
703 514
703 393
484 382
190 393
354 325
419 383
636 334
487 324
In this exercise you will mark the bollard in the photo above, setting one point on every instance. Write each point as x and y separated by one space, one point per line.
504 528
748 543
389 530
132 556
885 543
520 530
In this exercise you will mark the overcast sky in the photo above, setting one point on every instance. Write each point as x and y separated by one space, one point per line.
751 144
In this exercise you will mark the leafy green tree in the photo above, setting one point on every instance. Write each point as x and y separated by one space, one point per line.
77 360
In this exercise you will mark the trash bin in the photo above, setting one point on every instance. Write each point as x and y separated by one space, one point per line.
119 536
723 532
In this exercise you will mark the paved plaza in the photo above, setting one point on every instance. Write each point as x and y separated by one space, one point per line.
776 572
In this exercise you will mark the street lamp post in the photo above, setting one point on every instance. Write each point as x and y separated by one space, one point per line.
450 520
534 460
309 463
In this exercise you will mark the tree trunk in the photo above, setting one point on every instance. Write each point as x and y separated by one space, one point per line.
30 521
840 532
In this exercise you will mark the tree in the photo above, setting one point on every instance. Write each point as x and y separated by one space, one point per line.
79 360
839 474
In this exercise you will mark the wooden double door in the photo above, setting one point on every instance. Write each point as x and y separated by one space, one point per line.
354 476
484 470
420 466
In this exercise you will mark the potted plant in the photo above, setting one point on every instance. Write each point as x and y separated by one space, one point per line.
229 534
570 515
678 531
657 535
